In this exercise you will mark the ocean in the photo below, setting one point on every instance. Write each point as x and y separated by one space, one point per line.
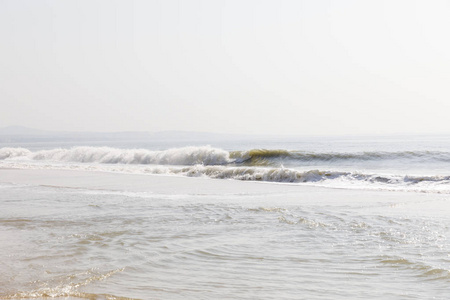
275 218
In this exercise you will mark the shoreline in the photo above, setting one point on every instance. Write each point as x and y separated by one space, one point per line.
160 183
198 186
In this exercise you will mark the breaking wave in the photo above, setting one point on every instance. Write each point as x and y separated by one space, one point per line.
268 157
257 174
105 155
296 176
208 155
6 153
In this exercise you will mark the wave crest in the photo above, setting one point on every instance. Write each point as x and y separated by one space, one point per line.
258 174
178 156
6 153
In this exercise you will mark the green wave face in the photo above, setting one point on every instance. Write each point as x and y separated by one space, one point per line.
259 157
268 157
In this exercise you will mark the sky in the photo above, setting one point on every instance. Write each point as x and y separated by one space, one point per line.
255 67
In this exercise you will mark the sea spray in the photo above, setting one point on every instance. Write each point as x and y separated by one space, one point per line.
105 155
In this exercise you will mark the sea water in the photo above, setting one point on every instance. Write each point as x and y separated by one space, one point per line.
337 218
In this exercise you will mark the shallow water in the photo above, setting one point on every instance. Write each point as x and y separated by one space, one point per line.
308 243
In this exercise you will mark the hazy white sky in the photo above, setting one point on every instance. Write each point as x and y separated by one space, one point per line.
288 67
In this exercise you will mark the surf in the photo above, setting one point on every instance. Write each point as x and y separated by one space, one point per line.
329 169
208 155
205 155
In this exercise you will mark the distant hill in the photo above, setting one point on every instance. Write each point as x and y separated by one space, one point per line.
22 130
24 134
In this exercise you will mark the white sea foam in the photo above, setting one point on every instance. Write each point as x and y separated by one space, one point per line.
178 156
258 174
6 153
